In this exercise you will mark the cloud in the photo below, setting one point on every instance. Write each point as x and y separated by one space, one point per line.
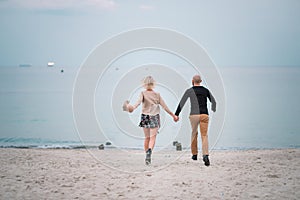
62 4
146 7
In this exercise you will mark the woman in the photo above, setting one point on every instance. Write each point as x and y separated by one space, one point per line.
150 119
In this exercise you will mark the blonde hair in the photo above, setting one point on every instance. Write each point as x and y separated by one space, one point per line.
149 82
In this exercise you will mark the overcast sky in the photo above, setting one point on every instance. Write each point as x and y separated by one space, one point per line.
234 32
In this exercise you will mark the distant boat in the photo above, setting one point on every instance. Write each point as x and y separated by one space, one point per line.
51 64
25 65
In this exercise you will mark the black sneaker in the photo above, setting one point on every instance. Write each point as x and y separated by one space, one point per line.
194 157
148 157
206 160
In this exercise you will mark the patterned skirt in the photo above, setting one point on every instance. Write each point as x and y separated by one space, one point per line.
148 121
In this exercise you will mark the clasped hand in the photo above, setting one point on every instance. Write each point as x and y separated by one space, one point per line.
175 118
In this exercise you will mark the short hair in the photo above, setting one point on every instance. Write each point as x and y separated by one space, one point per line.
197 79
149 82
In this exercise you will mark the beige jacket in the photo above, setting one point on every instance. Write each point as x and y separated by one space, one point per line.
151 101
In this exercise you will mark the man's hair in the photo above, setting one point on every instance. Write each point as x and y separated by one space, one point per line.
149 82
197 79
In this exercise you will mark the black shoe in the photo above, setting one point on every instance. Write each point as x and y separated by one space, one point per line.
206 160
194 157
148 157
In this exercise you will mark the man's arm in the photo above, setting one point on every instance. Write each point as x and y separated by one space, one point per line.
213 102
182 102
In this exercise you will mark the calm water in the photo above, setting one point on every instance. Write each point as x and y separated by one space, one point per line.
262 110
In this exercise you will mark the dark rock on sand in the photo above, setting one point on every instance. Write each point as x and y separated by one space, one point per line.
178 147
101 147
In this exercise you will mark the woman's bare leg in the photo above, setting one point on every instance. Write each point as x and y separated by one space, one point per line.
153 133
147 138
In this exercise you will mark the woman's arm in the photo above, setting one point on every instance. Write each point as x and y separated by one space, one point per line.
139 101
130 108
166 108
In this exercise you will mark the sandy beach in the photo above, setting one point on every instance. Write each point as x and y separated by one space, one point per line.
120 174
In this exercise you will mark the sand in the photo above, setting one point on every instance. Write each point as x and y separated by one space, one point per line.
117 174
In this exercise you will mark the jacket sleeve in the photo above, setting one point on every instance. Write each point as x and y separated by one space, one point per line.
164 105
182 102
139 101
213 102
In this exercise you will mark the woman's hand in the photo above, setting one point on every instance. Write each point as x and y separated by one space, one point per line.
175 118
127 107
130 108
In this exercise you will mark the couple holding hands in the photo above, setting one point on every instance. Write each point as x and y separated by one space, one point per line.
150 119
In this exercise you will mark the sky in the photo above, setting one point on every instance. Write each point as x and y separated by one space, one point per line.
234 32
254 44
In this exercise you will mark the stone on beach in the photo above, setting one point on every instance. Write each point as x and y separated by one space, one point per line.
101 147
178 147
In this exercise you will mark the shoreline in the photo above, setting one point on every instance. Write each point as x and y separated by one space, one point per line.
108 147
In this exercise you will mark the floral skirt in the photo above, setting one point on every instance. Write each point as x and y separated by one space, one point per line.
148 121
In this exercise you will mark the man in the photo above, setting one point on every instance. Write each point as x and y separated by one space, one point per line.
198 116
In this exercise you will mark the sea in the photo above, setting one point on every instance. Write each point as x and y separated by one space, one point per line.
262 110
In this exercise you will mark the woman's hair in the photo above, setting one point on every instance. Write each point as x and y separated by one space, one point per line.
149 82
